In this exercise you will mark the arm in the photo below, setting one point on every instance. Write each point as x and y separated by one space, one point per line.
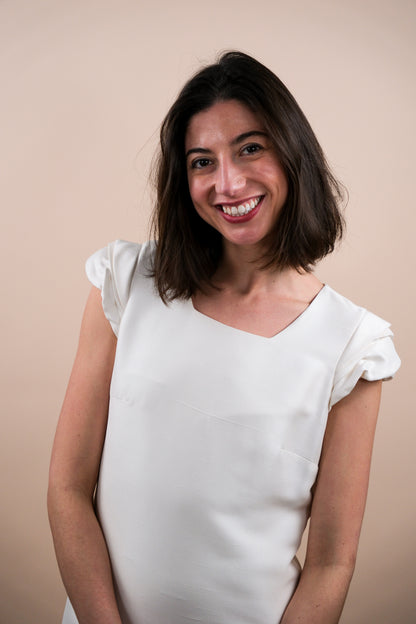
337 508
79 543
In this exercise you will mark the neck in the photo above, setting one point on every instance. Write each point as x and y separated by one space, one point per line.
241 270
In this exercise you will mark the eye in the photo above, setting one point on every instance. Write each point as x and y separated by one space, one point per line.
200 163
251 148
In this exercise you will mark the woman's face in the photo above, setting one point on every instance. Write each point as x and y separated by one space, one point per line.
236 182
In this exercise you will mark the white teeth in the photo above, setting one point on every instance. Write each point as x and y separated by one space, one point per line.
242 209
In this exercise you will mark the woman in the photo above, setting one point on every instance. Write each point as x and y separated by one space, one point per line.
243 392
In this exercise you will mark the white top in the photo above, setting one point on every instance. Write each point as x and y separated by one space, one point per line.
213 442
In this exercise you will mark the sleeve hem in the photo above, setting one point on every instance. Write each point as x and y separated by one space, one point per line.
381 365
111 269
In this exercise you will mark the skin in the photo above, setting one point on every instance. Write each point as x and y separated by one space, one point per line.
230 160
221 170
79 543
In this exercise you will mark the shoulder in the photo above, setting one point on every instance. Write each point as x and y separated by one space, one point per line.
113 269
367 348
118 257
353 317
340 304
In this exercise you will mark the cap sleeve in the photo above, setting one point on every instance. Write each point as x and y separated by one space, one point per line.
111 269
369 354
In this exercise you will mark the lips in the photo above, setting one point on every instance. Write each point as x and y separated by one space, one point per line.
243 209
241 212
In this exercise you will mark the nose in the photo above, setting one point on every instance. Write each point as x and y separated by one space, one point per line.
229 178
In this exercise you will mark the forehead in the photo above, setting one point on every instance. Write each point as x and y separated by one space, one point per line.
223 121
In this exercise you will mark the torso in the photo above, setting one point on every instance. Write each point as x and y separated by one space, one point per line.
214 439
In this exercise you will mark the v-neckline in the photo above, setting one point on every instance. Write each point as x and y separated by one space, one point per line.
296 320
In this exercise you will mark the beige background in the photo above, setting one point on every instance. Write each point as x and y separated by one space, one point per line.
84 87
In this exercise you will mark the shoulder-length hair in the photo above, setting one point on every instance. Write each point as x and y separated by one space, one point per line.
188 250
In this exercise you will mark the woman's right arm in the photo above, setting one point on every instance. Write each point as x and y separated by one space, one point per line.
79 542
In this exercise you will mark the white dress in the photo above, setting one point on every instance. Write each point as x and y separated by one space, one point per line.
213 442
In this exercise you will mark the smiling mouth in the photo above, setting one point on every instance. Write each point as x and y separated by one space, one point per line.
242 209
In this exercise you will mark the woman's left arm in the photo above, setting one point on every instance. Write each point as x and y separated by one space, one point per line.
337 508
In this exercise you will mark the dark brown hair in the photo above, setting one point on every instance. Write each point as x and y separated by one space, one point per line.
188 250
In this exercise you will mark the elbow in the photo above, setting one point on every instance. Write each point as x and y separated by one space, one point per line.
55 498
52 494
63 499
55 493
341 561
55 502
341 570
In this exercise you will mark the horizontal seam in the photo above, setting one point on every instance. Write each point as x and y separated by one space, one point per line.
299 455
216 417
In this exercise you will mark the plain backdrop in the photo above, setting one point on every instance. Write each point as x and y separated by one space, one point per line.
84 87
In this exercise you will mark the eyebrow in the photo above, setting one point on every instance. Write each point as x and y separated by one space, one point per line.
238 139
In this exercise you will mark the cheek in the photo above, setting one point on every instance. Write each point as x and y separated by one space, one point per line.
278 179
196 190
195 194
